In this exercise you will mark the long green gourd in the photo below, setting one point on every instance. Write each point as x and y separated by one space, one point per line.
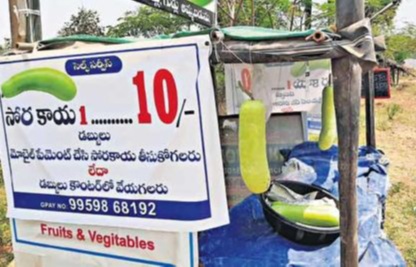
252 146
319 215
328 134
45 80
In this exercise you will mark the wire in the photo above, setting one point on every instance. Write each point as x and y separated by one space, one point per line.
387 7
232 52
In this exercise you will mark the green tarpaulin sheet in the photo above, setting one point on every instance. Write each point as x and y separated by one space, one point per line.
240 33
248 33
88 39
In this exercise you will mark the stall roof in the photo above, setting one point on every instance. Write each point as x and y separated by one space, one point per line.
238 33
249 33
245 44
86 38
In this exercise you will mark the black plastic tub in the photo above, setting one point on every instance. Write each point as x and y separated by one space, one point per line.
300 233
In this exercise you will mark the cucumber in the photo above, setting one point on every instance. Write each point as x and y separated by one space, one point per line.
252 146
45 80
320 215
328 134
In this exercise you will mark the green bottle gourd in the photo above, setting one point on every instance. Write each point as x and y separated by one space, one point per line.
320 215
252 146
328 134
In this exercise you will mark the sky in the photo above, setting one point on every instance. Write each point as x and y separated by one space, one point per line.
56 12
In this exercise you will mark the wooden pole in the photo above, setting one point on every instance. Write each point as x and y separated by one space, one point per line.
14 24
347 83
25 21
398 77
393 74
292 12
369 111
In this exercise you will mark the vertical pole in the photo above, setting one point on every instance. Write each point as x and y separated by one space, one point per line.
398 77
213 76
330 19
347 83
34 30
308 14
292 14
369 111
253 13
25 21
215 84
14 23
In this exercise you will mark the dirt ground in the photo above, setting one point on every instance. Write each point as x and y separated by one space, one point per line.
396 136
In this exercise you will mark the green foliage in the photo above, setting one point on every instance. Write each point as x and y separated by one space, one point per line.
384 22
6 46
5 236
269 14
324 14
84 22
393 110
402 44
294 14
147 22
396 188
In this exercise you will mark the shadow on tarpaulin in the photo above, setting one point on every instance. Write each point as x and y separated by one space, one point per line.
249 241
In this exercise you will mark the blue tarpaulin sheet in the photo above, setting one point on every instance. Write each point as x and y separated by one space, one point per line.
249 241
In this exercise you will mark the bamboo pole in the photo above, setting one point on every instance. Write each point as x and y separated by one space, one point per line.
347 83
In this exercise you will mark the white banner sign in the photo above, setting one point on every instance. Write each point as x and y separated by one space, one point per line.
123 136
43 244
284 87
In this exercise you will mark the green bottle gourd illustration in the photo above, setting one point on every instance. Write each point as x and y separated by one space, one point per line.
47 80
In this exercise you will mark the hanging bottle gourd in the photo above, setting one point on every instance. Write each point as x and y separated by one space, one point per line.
252 146
328 134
